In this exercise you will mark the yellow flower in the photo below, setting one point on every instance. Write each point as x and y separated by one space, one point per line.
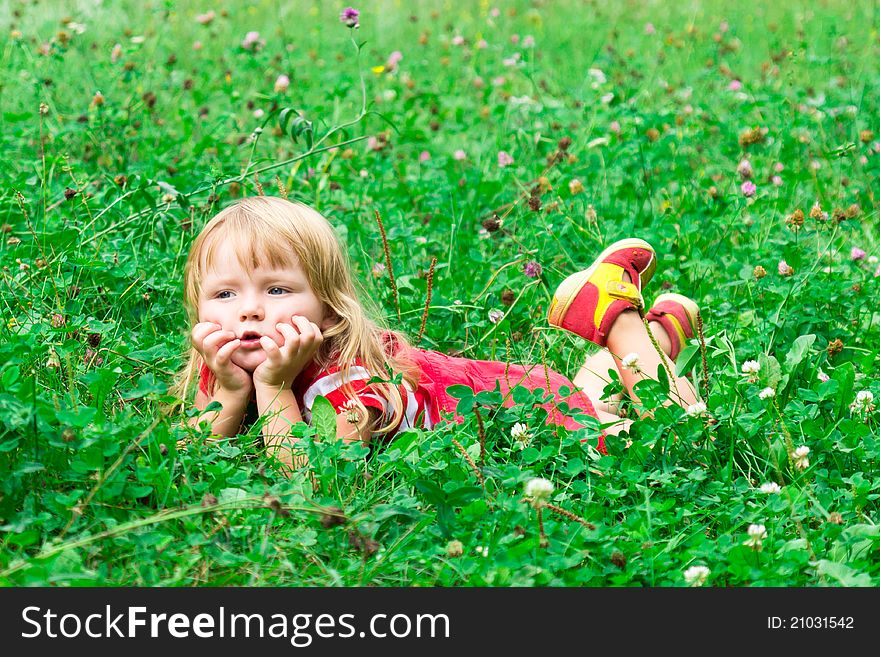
378 69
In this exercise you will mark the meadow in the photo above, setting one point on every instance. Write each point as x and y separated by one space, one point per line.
503 145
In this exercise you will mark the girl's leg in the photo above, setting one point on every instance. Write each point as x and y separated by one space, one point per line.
661 336
592 379
629 335
616 424
592 304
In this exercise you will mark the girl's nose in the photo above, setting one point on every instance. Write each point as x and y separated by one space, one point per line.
251 309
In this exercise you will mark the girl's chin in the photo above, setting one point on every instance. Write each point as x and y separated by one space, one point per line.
251 361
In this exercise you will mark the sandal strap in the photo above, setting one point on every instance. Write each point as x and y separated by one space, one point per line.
626 291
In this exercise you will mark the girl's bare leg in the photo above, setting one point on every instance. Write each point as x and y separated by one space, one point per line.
629 335
661 336
592 379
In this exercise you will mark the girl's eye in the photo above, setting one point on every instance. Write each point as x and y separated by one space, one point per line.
223 294
277 290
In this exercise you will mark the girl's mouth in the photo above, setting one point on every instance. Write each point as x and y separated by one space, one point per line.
250 340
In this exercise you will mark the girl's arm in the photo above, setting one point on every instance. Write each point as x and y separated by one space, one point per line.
351 427
227 421
233 386
275 399
272 380
283 412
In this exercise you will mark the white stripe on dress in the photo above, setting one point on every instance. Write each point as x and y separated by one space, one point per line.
412 410
376 398
331 382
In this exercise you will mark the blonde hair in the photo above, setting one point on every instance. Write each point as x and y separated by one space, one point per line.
271 231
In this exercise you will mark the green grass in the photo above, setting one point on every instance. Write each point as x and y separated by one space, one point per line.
93 489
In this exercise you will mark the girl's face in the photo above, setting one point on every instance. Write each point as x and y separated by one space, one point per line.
251 304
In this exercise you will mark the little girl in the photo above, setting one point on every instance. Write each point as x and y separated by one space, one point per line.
276 322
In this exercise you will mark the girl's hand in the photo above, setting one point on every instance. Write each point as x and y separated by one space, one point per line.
216 347
284 363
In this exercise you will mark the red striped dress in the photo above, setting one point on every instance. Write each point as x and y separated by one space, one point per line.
429 403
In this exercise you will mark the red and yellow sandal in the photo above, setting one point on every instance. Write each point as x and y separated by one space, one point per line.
588 302
678 315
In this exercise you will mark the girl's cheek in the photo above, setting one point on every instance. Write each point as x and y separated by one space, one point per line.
207 315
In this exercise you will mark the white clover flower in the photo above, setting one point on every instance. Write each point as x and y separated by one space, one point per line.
696 410
770 488
799 456
352 412
766 393
521 100
822 376
538 491
496 315
757 533
696 575
864 402
520 433
598 77
631 362
751 367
